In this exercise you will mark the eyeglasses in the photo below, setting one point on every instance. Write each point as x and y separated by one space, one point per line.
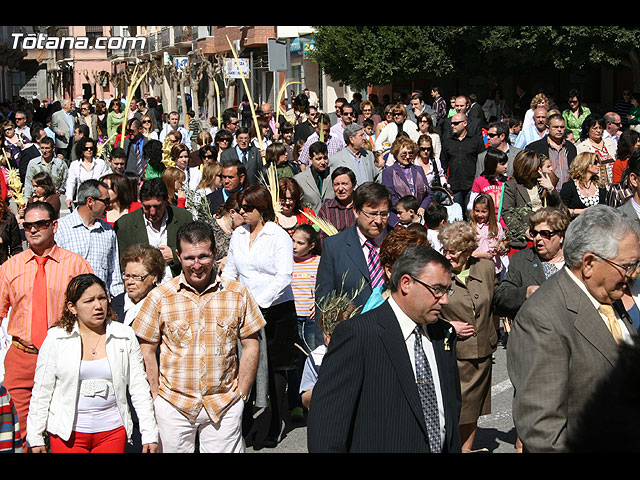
146 121
39 225
457 123
208 155
491 135
628 269
87 149
437 292
425 149
397 114
348 114
382 215
20 118
137 278
546 234
224 140
247 208
203 260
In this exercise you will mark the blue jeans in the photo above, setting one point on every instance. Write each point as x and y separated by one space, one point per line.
306 332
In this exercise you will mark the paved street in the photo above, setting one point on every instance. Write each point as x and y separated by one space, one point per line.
496 433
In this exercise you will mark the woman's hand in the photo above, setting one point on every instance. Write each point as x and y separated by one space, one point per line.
150 448
463 329
545 183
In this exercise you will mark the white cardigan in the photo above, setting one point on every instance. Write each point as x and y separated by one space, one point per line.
56 383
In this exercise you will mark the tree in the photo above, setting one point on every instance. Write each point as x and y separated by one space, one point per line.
377 55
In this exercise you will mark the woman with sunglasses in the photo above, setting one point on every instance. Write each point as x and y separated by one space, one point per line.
593 142
584 189
426 127
147 128
470 312
399 123
260 255
221 142
86 167
576 113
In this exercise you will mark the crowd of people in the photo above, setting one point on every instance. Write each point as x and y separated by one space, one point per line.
161 282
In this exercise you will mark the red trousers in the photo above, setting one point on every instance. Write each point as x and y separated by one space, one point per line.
20 368
113 441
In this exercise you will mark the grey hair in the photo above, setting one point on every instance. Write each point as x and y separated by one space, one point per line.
350 131
598 230
89 188
412 261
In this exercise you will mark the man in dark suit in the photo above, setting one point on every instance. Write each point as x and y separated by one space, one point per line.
557 148
566 336
247 153
389 381
234 179
133 146
443 128
156 223
346 256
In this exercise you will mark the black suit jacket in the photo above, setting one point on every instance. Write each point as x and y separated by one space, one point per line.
253 164
131 154
130 229
541 147
474 127
366 398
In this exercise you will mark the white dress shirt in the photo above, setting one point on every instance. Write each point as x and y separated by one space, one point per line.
407 326
266 267
159 237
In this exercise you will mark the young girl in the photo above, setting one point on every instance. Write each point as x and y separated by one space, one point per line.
492 179
491 237
306 256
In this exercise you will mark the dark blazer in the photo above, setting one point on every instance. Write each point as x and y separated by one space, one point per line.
117 305
253 165
525 269
474 127
541 147
130 229
215 199
570 198
559 350
366 400
10 234
131 154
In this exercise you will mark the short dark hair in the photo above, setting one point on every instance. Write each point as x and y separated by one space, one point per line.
634 162
412 261
47 141
370 192
83 129
195 232
408 202
154 188
434 214
318 147
343 171
53 215
118 152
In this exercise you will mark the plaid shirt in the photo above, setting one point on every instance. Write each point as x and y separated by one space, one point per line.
98 244
198 336
334 145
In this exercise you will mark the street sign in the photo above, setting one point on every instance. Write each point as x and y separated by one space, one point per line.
277 53
180 62
231 69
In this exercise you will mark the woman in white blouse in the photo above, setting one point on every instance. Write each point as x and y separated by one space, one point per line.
86 167
86 365
260 255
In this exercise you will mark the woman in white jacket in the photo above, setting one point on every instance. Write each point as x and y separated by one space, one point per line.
85 365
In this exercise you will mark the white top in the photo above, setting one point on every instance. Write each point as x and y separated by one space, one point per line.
265 268
407 326
97 409
78 173
159 237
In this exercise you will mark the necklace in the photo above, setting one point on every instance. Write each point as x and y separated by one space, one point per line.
94 349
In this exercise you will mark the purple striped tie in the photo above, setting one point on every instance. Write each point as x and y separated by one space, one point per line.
373 263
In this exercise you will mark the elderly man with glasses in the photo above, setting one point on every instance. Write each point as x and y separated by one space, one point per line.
566 337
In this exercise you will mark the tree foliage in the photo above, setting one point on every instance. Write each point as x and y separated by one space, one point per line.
376 55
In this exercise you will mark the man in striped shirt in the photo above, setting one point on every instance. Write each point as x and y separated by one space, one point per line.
17 278
334 144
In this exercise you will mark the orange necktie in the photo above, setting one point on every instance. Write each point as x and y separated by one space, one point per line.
39 319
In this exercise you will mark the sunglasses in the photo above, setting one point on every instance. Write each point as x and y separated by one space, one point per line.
106 201
247 208
39 225
457 123
86 149
546 234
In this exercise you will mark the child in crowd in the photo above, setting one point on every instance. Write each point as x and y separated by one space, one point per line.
491 236
306 256
492 179
436 216
407 208
341 309
367 125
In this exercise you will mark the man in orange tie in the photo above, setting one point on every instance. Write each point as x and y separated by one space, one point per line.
33 285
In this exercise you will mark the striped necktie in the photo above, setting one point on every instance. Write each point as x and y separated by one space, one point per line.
427 391
373 263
